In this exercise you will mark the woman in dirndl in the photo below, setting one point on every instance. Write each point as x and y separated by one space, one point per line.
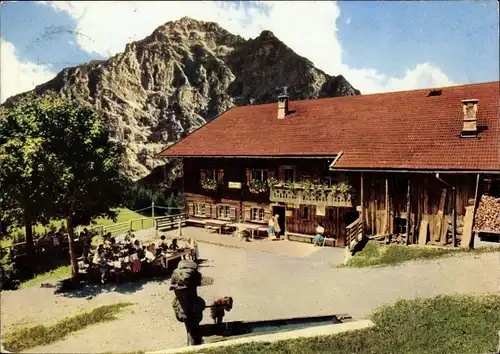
270 228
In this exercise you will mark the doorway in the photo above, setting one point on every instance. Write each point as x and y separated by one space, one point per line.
281 211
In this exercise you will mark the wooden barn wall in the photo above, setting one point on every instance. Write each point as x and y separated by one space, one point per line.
334 222
425 191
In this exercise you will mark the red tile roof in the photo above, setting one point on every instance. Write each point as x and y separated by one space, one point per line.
397 130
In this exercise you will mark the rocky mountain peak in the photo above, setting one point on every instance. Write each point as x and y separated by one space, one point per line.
184 74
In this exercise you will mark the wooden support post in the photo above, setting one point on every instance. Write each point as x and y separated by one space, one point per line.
362 206
387 218
408 209
454 217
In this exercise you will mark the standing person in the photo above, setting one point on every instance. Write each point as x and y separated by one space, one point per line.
270 228
277 228
193 246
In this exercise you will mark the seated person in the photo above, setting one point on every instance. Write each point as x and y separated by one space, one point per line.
133 255
86 254
129 237
163 243
98 254
319 238
174 246
137 245
149 255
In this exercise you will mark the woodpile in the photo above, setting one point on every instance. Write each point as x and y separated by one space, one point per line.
488 215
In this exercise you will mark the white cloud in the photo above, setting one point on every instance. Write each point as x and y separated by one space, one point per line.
309 28
18 76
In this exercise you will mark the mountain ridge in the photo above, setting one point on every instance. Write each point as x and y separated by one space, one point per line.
185 73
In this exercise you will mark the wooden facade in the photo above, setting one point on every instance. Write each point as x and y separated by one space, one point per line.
385 207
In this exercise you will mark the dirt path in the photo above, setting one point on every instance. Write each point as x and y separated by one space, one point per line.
264 286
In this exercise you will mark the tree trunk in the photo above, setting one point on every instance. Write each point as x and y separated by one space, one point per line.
28 225
72 254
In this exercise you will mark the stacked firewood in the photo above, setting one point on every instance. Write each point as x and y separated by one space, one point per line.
488 214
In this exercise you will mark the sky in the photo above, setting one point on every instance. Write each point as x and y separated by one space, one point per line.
377 46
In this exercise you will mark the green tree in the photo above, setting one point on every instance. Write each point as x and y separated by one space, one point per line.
23 168
82 165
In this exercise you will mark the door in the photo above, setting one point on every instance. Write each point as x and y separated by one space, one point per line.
280 210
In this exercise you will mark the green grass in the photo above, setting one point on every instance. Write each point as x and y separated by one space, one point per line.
59 273
124 215
30 337
376 255
445 324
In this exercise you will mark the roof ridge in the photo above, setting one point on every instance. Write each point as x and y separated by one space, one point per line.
378 93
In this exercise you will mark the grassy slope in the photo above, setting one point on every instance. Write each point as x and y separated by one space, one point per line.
26 338
124 215
446 324
375 254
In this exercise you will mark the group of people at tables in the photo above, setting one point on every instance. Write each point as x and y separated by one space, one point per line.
112 258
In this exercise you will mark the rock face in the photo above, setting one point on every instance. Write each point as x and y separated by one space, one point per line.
184 74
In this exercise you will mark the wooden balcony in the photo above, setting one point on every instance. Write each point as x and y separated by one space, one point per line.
329 198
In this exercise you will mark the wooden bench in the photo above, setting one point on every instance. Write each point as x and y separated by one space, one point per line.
169 223
195 222
291 236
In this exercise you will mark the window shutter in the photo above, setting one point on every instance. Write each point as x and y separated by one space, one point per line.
232 211
213 211
249 175
281 174
267 213
220 176
190 208
203 175
248 213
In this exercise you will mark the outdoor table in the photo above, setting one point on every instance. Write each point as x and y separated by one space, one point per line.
248 227
217 223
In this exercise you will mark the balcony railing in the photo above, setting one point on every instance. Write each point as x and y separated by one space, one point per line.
327 198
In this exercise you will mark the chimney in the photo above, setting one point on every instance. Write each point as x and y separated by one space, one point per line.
283 104
469 128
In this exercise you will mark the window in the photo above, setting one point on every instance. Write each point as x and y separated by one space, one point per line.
305 212
257 214
200 209
223 212
306 178
212 173
288 175
260 175
330 180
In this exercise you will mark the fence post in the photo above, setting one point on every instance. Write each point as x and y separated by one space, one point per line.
142 224
131 221
153 216
180 227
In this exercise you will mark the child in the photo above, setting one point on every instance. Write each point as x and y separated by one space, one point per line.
270 228
163 243
319 238
174 246
193 246
219 307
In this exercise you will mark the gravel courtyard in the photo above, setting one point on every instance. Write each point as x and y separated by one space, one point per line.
263 285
